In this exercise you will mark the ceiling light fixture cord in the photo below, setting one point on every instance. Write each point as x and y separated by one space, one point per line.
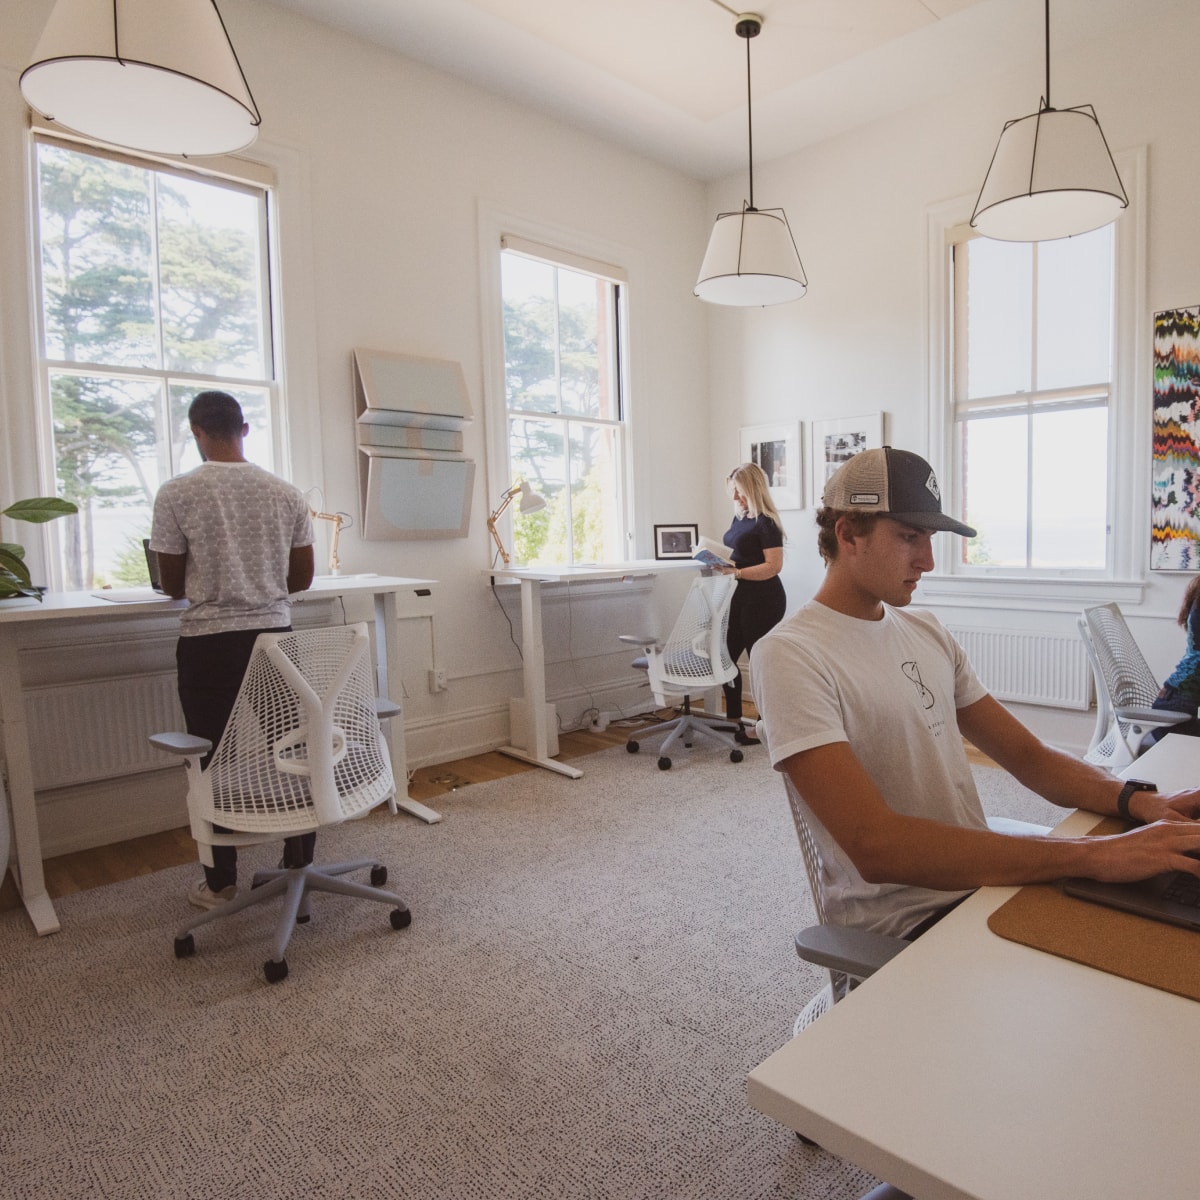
742 27
1048 104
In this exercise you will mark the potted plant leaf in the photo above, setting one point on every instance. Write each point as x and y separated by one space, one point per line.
14 574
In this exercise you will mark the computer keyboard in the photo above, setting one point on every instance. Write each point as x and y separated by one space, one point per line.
1183 889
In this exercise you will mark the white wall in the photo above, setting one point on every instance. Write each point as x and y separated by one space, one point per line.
857 342
383 165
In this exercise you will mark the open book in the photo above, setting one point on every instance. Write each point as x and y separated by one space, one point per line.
712 554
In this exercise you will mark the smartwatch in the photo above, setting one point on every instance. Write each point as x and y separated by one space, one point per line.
1131 786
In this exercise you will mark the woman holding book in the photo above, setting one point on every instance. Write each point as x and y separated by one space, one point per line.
755 540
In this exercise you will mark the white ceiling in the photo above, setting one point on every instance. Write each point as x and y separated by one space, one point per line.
668 77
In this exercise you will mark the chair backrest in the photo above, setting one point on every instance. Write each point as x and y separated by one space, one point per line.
695 655
303 746
809 849
1123 671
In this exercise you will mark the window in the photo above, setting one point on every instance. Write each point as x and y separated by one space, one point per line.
564 412
1033 370
154 284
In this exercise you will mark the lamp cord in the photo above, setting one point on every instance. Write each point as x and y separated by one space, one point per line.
750 123
1048 104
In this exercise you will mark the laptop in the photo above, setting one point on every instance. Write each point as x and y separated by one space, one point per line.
1173 897
152 567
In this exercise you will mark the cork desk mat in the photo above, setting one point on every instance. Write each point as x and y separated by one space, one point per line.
1045 917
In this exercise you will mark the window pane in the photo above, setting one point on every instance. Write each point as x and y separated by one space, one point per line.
96 259
999 317
995 478
256 409
536 455
596 536
106 452
211 285
580 303
1070 488
530 334
1074 303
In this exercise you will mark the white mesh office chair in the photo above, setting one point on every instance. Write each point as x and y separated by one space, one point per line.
694 659
302 750
1125 690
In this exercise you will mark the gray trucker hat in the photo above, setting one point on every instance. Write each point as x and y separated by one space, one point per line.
896 483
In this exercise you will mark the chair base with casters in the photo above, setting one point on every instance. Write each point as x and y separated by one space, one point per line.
296 885
683 730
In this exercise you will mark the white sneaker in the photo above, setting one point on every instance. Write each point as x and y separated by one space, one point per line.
202 896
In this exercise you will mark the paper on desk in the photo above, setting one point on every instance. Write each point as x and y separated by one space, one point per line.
129 595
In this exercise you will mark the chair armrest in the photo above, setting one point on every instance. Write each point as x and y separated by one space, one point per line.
646 641
855 952
385 708
1152 716
181 743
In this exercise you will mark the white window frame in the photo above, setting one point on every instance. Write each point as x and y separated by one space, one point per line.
566 248
295 416
1129 409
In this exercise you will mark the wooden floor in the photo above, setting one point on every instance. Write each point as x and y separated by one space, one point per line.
85 869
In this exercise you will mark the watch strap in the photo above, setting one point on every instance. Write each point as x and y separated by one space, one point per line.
1132 786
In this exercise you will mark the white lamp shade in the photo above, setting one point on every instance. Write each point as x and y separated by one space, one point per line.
531 501
1052 176
176 88
751 261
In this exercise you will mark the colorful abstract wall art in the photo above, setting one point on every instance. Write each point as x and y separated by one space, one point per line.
1175 481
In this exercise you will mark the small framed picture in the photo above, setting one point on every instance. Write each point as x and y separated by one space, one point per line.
837 440
776 449
675 541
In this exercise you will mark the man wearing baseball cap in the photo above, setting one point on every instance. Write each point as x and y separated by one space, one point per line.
866 703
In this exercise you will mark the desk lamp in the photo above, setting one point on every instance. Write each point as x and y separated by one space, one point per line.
338 519
530 502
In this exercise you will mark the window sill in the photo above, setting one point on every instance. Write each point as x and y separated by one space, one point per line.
1040 594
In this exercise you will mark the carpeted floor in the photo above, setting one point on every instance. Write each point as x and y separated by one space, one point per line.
592 968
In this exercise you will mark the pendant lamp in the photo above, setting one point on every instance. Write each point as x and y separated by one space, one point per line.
154 75
752 258
1052 175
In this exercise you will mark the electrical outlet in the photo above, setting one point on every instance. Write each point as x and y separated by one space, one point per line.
437 679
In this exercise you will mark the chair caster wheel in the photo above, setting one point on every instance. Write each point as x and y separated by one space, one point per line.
401 918
664 764
378 875
185 946
736 756
632 746
275 971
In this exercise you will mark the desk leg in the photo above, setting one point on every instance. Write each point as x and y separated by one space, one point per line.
533 652
389 683
31 882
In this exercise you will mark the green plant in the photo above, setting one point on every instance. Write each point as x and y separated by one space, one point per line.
14 574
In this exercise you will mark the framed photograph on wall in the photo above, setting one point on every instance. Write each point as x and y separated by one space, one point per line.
675 541
776 449
838 439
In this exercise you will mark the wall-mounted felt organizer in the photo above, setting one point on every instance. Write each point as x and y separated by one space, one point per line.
414 480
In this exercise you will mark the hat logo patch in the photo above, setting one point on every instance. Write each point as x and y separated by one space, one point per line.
864 497
932 484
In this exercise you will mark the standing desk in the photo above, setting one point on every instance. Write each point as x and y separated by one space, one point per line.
17 616
533 647
974 1067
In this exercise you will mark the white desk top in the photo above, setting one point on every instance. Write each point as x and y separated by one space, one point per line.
598 572
58 605
972 1066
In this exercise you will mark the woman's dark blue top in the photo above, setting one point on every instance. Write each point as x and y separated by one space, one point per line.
748 537
1186 676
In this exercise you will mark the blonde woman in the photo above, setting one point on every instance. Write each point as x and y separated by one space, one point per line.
756 541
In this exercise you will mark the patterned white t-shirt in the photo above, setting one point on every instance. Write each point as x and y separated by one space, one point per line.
237 524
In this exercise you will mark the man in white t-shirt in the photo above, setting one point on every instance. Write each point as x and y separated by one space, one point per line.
866 705
236 541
